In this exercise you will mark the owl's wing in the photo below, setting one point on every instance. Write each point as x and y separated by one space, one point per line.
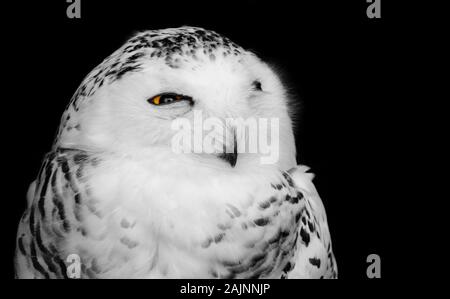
53 214
316 258
284 233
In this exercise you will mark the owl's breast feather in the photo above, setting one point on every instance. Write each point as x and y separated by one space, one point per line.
177 224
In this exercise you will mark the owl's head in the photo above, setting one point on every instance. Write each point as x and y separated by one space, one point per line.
130 102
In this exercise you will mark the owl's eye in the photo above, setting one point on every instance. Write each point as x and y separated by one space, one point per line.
257 85
168 98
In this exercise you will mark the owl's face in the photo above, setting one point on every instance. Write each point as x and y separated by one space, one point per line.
159 77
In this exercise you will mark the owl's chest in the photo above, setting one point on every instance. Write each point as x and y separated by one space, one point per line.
173 226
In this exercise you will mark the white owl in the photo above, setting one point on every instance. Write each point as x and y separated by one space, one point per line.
114 193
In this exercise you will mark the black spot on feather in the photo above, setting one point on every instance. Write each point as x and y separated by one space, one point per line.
315 262
262 221
305 236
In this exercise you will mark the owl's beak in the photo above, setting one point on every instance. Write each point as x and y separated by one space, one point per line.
231 157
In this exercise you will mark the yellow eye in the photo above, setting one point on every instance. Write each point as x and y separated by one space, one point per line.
156 100
168 98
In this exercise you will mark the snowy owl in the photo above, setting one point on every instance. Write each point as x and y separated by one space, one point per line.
113 193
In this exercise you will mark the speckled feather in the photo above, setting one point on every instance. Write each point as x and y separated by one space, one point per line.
172 46
278 231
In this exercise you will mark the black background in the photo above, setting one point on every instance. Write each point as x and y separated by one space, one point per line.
338 63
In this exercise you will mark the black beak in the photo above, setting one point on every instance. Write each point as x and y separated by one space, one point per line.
230 157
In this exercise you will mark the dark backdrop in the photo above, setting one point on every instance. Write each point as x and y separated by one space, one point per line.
336 60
